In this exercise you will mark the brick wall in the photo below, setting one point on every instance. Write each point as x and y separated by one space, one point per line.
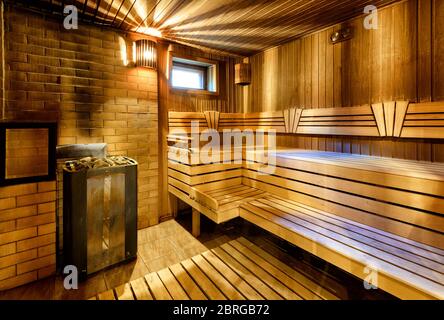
78 77
27 233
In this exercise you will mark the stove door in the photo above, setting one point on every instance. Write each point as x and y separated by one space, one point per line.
105 220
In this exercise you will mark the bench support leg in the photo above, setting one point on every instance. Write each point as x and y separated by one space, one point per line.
173 205
196 223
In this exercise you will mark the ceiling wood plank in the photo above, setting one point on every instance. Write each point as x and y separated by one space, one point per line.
240 27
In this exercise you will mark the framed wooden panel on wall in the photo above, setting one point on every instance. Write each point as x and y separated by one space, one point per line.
27 152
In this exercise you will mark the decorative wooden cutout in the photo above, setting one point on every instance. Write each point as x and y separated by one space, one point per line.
399 119
400 113
389 115
212 118
378 112
291 119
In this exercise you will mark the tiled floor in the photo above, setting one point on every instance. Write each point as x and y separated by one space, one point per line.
158 247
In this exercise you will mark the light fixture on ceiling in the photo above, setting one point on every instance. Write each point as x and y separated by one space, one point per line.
146 54
341 35
149 31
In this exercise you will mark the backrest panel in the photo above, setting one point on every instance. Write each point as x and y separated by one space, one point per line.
410 206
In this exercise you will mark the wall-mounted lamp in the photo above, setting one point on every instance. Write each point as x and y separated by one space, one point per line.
242 74
146 54
341 35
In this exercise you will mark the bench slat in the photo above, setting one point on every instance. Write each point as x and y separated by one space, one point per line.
362 241
405 198
388 210
390 276
306 227
415 248
376 221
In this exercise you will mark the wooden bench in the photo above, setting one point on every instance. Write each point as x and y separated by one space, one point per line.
215 190
360 213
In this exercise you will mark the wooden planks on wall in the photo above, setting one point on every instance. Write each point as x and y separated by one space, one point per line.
375 65
397 119
229 94
438 49
402 60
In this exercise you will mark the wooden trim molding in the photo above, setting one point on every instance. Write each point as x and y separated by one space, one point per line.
398 119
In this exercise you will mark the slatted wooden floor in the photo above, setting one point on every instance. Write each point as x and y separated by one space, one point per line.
237 270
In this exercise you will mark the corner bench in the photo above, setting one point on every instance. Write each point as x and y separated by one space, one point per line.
360 213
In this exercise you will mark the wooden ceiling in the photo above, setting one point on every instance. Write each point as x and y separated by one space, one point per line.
242 27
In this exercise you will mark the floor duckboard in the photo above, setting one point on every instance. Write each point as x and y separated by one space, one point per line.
238 270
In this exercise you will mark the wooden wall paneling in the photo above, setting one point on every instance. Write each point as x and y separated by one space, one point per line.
322 48
315 71
411 55
337 72
298 56
424 68
438 152
438 50
329 70
163 64
229 96
349 69
424 152
374 66
308 63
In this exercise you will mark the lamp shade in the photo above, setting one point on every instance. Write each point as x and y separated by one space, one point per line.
146 54
242 74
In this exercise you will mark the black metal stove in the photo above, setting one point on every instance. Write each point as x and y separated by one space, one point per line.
99 213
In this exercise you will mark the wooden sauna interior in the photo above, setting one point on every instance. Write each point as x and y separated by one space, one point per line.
347 97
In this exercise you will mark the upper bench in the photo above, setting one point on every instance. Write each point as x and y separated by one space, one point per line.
398 119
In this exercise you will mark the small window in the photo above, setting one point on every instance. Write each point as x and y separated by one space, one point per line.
190 78
194 75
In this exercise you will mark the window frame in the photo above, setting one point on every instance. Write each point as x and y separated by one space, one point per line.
185 66
204 91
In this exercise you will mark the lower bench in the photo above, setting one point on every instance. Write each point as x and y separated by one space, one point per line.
367 215
405 268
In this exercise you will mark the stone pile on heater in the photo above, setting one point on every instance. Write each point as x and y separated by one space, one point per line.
95 163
